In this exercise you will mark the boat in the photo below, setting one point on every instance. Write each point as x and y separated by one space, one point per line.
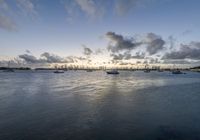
59 71
112 72
177 72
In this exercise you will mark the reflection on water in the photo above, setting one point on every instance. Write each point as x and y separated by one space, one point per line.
80 105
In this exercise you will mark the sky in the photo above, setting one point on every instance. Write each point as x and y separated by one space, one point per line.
97 32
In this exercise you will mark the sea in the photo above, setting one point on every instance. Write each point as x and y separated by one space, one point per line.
80 105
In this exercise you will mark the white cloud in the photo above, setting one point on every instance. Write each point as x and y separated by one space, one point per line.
7 12
3 6
76 8
5 19
88 6
27 7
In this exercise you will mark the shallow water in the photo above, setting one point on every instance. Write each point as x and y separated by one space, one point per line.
92 105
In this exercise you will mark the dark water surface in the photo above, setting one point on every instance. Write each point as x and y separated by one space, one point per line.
95 106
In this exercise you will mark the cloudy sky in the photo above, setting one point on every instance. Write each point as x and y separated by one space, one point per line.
100 31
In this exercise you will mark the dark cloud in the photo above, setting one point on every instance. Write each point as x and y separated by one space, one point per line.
139 55
186 51
128 56
51 58
154 43
87 51
74 59
47 58
29 58
176 62
119 43
117 56
155 46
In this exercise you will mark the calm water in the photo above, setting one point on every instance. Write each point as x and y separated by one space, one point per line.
92 105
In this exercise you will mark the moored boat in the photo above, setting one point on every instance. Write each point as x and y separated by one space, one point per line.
112 72
59 71
177 72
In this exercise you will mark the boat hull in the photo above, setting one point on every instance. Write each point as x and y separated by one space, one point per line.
177 72
110 72
57 72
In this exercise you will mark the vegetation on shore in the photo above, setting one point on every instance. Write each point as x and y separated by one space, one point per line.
20 68
196 69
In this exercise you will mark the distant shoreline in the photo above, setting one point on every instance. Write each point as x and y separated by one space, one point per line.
194 69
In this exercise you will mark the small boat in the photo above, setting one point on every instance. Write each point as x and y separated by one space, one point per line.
177 72
59 71
112 72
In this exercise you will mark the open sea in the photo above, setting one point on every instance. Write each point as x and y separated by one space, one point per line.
79 105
